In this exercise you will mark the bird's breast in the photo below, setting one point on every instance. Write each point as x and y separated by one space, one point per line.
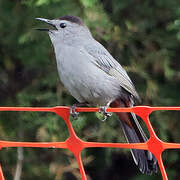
83 79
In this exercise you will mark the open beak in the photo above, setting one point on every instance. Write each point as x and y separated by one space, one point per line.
48 22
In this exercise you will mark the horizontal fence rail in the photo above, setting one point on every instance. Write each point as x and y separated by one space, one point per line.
76 145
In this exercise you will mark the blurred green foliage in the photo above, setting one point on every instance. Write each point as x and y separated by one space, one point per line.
144 36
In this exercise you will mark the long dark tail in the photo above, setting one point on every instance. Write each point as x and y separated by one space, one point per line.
144 159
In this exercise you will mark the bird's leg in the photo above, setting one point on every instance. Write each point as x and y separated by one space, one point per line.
73 112
106 114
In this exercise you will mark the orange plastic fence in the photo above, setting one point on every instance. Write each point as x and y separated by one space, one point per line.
76 145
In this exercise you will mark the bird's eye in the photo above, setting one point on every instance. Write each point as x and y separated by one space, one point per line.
63 25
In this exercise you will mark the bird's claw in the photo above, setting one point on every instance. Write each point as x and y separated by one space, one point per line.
105 113
73 112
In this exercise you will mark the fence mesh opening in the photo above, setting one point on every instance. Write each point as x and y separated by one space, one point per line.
74 144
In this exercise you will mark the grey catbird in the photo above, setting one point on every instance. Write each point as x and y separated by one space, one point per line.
93 76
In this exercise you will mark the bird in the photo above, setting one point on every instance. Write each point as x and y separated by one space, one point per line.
93 77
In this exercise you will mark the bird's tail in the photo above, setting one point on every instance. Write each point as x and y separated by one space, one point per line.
144 159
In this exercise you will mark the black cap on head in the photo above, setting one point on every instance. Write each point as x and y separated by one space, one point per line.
73 19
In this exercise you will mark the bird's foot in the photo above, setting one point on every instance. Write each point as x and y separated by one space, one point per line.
103 110
73 112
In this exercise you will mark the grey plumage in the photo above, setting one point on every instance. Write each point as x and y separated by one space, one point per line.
103 59
92 75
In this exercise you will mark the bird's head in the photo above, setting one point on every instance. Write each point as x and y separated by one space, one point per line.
66 28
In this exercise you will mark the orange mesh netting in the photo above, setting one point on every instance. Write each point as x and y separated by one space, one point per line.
76 145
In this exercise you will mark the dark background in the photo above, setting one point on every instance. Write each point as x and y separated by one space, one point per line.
144 36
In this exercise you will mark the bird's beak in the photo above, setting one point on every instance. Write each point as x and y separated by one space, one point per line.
50 22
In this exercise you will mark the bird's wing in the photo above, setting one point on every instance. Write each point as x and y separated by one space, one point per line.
103 59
